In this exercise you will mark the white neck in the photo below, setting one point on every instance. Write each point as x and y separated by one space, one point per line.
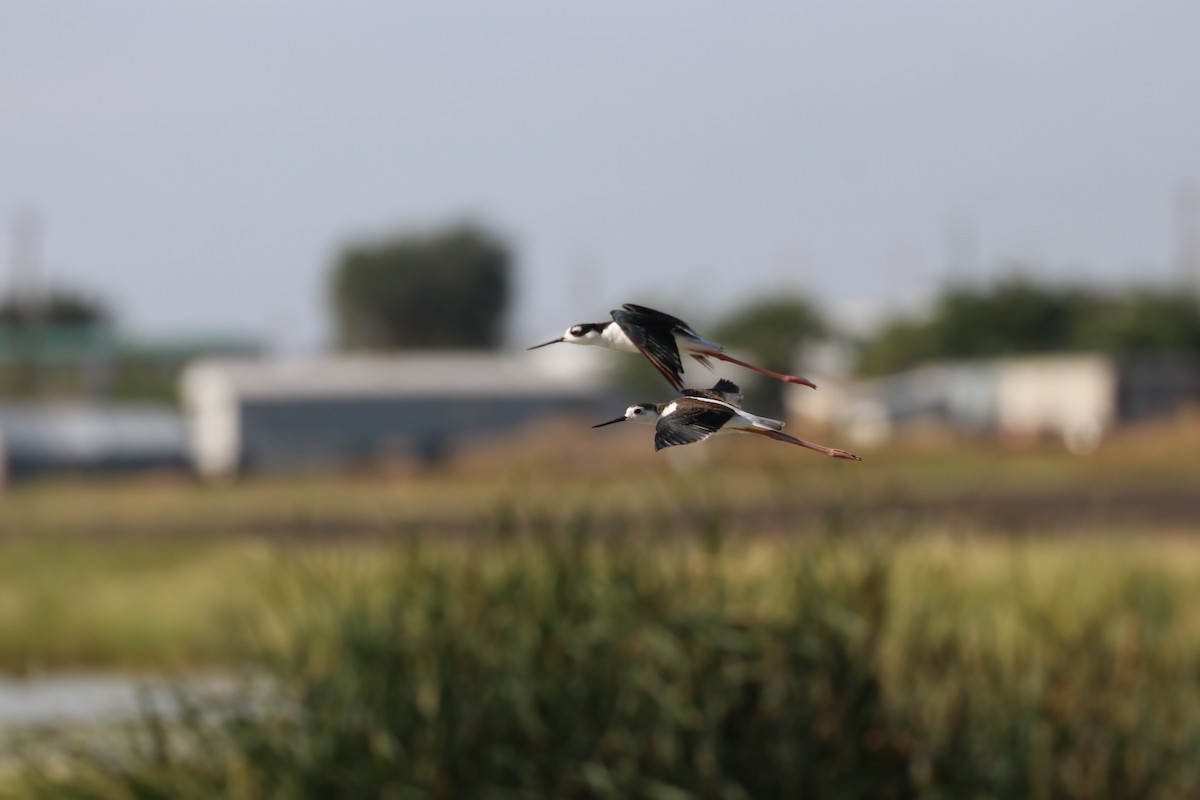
614 338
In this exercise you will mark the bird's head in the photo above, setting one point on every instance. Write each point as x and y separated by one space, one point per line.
646 413
583 333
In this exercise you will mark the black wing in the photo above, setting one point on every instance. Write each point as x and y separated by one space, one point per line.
677 326
653 334
664 318
690 423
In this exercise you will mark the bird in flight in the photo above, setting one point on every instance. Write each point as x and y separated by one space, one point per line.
661 338
701 414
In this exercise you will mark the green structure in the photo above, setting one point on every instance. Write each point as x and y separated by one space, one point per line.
95 361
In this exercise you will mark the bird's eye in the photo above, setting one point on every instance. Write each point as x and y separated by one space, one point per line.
577 330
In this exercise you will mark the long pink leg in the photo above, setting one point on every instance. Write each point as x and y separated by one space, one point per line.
820 448
780 376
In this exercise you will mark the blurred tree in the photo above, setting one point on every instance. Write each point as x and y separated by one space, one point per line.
57 307
66 322
1014 316
772 330
1017 315
1144 319
442 290
899 344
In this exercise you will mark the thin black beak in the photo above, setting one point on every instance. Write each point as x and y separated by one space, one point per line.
610 422
543 344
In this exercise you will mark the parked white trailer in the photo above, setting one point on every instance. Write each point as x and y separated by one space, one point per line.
38 439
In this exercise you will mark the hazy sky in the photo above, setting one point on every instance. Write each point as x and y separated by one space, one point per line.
200 164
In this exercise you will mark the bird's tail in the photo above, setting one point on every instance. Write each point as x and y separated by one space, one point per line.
764 422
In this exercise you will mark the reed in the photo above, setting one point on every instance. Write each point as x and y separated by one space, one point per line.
545 659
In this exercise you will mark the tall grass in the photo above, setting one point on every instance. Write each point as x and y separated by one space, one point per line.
557 663
67 603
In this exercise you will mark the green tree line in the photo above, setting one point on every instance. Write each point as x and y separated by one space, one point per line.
450 288
1018 315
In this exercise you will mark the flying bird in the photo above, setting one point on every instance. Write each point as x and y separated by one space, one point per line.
694 418
661 338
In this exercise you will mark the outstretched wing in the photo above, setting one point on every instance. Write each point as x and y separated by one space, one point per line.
677 326
653 334
693 422
679 329
665 319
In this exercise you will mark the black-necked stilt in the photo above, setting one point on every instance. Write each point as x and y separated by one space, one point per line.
661 338
693 418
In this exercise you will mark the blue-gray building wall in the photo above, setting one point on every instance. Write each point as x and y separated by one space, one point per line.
306 434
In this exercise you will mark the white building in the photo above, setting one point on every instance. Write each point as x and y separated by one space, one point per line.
1077 397
311 413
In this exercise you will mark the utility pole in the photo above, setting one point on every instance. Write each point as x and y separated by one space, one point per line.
961 242
1187 235
24 295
